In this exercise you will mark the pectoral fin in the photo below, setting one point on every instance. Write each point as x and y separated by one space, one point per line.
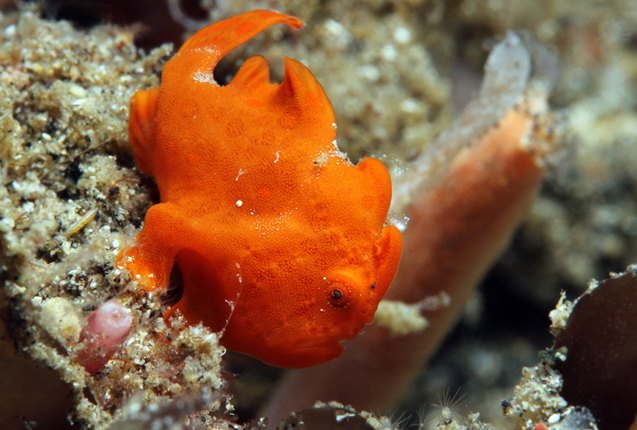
387 252
204 298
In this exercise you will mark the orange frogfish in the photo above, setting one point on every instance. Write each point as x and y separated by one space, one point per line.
282 243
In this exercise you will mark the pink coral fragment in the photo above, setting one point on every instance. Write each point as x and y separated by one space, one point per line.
105 331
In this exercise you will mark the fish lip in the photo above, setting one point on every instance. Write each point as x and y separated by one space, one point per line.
321 346
308 344
318 341
307 351
325 341
308 356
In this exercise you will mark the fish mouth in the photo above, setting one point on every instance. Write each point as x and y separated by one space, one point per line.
321 338
309 347
322 341
310 354
307 351
310 344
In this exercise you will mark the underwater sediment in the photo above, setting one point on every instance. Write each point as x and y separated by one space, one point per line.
398 75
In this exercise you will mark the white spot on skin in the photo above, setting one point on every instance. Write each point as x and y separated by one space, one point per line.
239 203
230 304
276 160
239 278
321 160
241 172
205 77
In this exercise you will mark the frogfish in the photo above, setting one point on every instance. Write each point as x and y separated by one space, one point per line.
283 245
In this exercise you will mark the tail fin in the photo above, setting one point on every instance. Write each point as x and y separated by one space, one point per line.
142 113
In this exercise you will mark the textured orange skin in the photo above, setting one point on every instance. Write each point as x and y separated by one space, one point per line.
263 215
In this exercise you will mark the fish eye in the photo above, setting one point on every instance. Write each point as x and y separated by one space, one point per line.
339 297
342 289
336 294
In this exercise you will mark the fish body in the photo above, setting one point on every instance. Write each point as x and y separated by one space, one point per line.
281 242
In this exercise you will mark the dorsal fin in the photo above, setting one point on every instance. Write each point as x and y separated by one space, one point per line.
226 35
252 74
378 181
303 92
